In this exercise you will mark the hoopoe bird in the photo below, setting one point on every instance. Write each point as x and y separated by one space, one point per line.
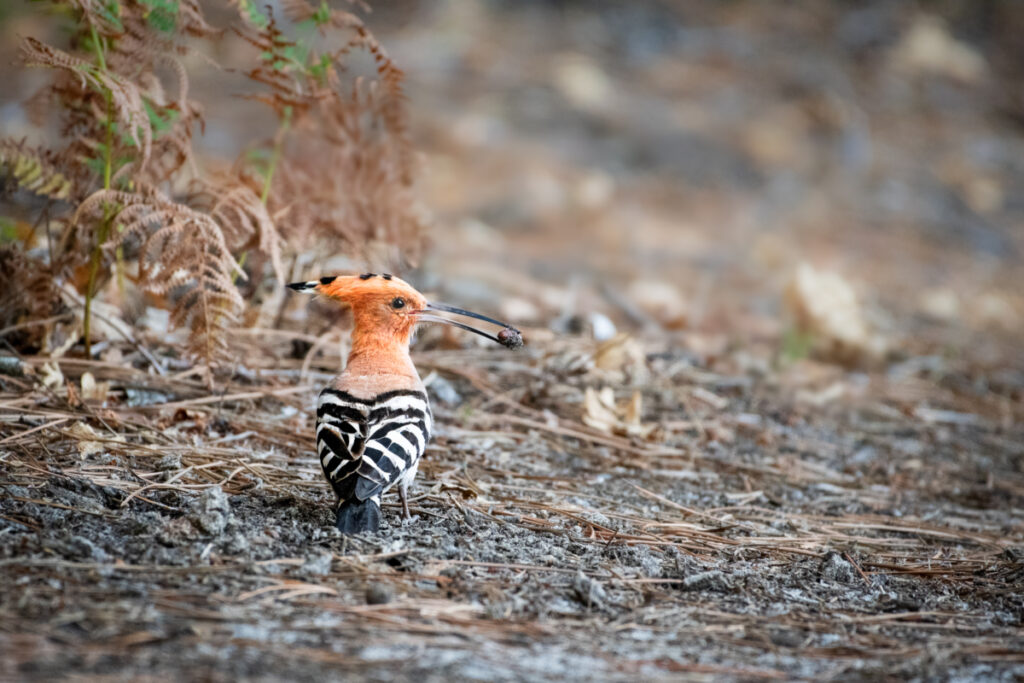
374 421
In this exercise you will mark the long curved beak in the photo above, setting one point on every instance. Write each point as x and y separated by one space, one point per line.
508 336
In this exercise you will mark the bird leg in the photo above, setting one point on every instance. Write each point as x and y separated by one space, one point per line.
403 495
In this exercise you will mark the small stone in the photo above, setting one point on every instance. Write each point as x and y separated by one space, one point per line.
450 572
713 580
169 462
443 391
835 567
84 548
319 563
379 594
589 591
143 397
9 365
516 309
211 511
236 543
602 327
929 47
583 82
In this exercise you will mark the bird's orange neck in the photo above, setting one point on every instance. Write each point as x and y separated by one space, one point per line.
378 362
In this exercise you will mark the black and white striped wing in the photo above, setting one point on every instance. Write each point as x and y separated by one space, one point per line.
340 434
399 427
366 446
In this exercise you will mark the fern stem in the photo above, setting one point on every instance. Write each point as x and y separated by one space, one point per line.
101 60
276 154
97 251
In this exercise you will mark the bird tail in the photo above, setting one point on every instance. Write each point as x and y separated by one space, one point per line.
357 516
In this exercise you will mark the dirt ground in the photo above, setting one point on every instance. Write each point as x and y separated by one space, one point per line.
708 462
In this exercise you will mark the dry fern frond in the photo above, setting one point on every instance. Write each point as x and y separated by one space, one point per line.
150 39
115 19
183 256
350 159
244 219
300 10
290 89
390 100
126 99
192 22
103 16
359 190
177 115
159 122
34 170
27 292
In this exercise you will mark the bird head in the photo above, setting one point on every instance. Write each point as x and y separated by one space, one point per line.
385 306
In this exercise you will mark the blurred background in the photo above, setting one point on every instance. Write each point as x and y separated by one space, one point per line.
721 171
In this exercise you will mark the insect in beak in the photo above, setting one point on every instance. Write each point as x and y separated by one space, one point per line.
509 336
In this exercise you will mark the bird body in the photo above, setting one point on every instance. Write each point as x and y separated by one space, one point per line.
374 421
367 444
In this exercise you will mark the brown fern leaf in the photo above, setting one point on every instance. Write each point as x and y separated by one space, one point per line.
350 160
244 219
354 181
34 170
289 87
192 22
125 97
27 292
83 108
300 10
98 14
183 256
393 109
172 148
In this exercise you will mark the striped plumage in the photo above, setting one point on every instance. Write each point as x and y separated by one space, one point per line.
374 421
366 446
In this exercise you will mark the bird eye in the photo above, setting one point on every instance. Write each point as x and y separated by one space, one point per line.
398 302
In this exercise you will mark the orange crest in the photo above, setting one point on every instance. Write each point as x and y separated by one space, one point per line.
383 306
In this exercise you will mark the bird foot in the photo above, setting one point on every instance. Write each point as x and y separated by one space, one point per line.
403 495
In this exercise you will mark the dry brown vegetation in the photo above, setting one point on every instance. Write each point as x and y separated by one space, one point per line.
126 199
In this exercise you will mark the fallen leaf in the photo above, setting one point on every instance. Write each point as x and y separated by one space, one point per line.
89 441
928 47
74 400
661 301
599 409
86 439
821 397
51 376
622 353
826 308
93 390
710 398
601 412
